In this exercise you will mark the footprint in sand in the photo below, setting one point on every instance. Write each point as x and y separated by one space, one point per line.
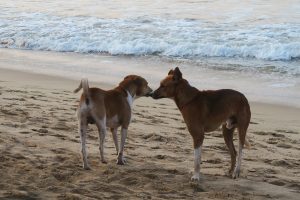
216 147
18 194
12 125
284 145
262 133
62 137
217 134
156 121
277 135
15 99
61 125
286 131
130 181
25 132
8 112
155 137
59 150
42 131
150 176
213 161
17 91
270 171
295 186
197 187
160 157
277 182
281 163
272 141
181 128
62 176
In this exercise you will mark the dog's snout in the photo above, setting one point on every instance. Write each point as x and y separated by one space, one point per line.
149 94
154 95
150 91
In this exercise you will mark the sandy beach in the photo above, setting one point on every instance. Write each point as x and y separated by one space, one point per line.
47 47
40 150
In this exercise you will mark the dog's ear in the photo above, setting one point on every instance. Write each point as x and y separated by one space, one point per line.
177 75
171 72
137 80
127 77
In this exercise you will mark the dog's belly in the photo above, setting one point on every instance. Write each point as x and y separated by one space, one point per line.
113 122
230 123
90 120
212 127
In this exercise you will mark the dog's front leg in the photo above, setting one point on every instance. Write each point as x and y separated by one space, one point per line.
101 125
121 160
198 141
197 161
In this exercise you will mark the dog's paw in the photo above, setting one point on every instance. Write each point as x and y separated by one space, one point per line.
86 167
236 173
121 160
195 178
104 161
229 172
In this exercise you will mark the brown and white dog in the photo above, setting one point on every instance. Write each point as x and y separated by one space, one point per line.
205 111
112 109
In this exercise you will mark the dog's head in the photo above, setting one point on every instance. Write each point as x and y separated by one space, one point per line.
168 85
136 85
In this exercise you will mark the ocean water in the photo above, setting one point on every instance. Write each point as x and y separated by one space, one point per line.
259 38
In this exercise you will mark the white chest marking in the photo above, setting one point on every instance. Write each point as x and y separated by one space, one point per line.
130 102
130 99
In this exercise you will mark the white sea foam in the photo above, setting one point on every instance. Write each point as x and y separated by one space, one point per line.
182 38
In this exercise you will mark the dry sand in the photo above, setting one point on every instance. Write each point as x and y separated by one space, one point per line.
40 157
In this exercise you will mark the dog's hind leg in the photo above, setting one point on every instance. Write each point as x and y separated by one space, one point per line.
242 129
114 132
236 172
121 160
101 125
82 133
228 137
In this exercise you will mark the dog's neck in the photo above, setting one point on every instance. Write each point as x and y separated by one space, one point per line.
128 92
184 94
130 98
126 88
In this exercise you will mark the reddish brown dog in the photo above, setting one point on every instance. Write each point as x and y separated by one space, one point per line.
111 108
205 111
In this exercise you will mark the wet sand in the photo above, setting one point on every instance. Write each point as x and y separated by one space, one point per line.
40 150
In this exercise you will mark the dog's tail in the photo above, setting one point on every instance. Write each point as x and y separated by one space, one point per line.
84 84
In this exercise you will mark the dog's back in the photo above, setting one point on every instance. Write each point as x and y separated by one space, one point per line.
223 101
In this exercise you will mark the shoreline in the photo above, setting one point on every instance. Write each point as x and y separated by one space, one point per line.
109 70
10 74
